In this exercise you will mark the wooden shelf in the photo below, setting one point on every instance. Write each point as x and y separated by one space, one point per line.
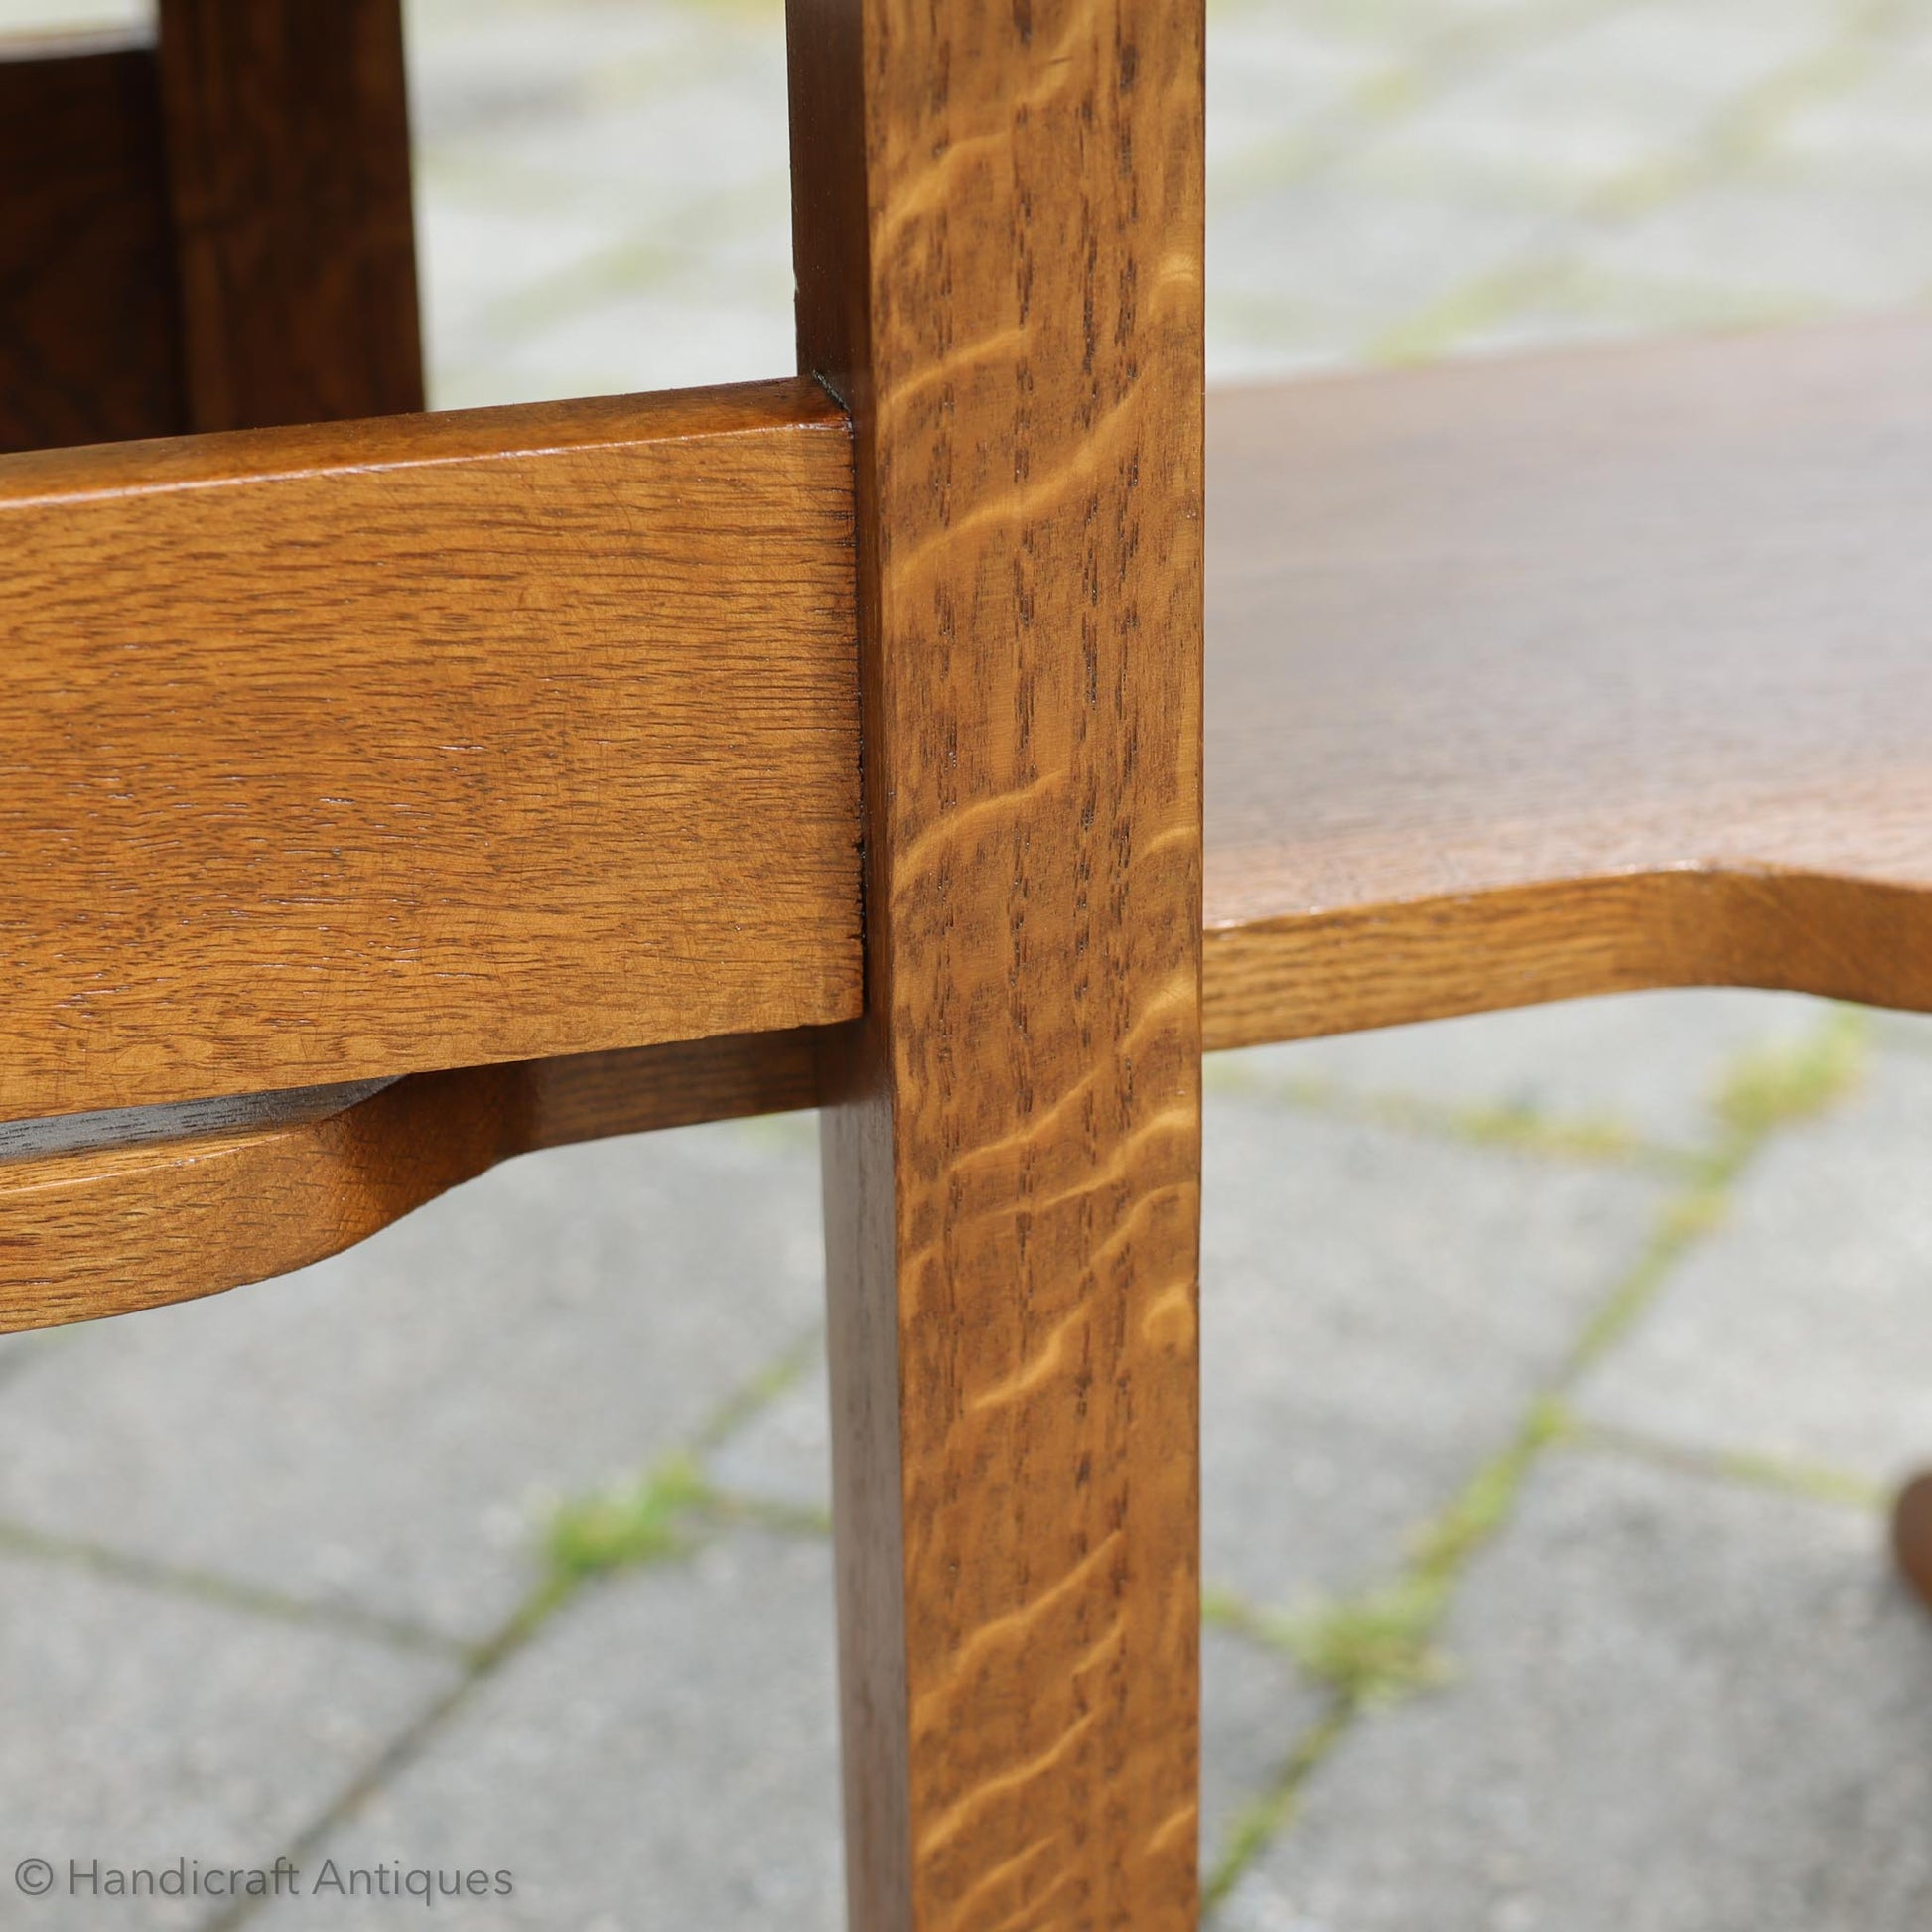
107 1213
1525 680
1535 678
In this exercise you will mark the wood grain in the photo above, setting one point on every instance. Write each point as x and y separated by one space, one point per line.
1576 674
350 752
102 1215
997 232
89 340
288 148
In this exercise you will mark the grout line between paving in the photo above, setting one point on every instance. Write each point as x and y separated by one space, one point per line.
1738 1469
1765 1094
672 1511
1490 1128
698 1513
209 1586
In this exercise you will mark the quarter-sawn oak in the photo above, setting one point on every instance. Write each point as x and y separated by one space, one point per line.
353 750
998 234
102 1215
1572 674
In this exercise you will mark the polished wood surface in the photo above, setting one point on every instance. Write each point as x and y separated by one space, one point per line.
90 343
288 151
356 750
998 232
102 1215
1569 676
1526 680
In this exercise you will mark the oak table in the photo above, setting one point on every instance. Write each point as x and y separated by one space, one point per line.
384 795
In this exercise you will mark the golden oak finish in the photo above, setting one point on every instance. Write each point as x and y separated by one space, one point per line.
1394 962
1592 671
998 232
288 151
356 751
100 1215
89 339
352 754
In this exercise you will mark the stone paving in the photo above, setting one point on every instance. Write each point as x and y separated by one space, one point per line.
1556 1362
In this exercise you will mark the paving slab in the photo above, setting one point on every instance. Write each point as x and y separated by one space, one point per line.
1839 245
1378 1313
664 1756
141 1726
1256 1708
665 338
1650 1063
781 1454
389 1428
604 197
1624 88
1877 128
1278 80
1685 1706
1307 274
1802 1328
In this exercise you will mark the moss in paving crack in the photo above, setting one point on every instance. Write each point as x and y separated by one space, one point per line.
1369 1649
1810 1481
1225 1610
657 1515
1266 1816
1786 1476
764 1386
1444 1546
1684 1220
1589 1138
1225 1073
1379 1647
654 1519
1764 1090
1776 1087
638 1522
1515 1127
1375 1648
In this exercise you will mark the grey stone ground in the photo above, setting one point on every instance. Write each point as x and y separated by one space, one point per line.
1555 1362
